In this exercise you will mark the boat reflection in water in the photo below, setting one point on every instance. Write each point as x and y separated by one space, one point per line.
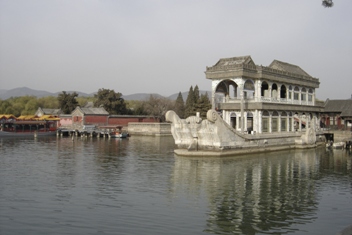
261 193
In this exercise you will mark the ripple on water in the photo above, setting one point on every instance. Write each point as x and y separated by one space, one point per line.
138 186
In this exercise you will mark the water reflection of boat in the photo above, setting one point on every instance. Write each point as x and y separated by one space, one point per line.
339 145
27 133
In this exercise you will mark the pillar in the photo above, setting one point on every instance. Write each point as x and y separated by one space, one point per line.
270 123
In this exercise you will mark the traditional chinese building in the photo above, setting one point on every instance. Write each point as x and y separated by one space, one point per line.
89 116
264 99
337 114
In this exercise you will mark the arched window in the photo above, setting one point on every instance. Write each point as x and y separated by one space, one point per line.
249 122
274 91
303 94
265 121
248 89
233 120
283 123
265 89
283 92
296 93
310 95
274 121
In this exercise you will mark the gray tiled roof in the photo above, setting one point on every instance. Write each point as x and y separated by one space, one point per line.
337 106
235 60
51 111
290 68
89 105
100 111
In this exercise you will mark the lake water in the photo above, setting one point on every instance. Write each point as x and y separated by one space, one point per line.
138 186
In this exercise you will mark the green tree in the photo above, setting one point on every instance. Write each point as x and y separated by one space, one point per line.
112 102
4 106
49 102
180 106
17 108
31 107
203 105
83 100
136 107
196 94
67 102
190 102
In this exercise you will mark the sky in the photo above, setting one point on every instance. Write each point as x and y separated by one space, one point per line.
164 46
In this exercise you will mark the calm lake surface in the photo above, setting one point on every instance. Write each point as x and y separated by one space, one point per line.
138 186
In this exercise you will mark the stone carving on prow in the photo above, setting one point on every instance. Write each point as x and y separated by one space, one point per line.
172 117
212 116
310 136
194 125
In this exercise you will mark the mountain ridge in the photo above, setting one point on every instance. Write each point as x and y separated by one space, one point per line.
24 91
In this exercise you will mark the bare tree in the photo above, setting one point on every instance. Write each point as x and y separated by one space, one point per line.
158 106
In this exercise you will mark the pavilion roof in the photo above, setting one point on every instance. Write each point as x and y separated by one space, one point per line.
290 68
235 61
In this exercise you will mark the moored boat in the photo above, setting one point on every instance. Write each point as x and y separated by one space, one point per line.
25 126
118 133
113 131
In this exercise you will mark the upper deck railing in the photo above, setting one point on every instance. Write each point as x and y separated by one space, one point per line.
268 100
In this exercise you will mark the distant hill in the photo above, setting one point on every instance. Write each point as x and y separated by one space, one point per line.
23 91
140 96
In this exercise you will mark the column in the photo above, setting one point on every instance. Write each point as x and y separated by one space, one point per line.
260 116
270 123
245 122
258 91
237 122
242 105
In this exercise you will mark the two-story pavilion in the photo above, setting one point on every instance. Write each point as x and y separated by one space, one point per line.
276 98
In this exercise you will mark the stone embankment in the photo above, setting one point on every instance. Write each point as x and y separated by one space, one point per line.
341 136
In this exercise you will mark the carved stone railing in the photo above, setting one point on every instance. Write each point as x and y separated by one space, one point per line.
267 100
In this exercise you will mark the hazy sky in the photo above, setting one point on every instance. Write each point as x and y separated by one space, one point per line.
164 46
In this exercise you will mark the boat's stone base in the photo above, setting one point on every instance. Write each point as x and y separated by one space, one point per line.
242 151
214 137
